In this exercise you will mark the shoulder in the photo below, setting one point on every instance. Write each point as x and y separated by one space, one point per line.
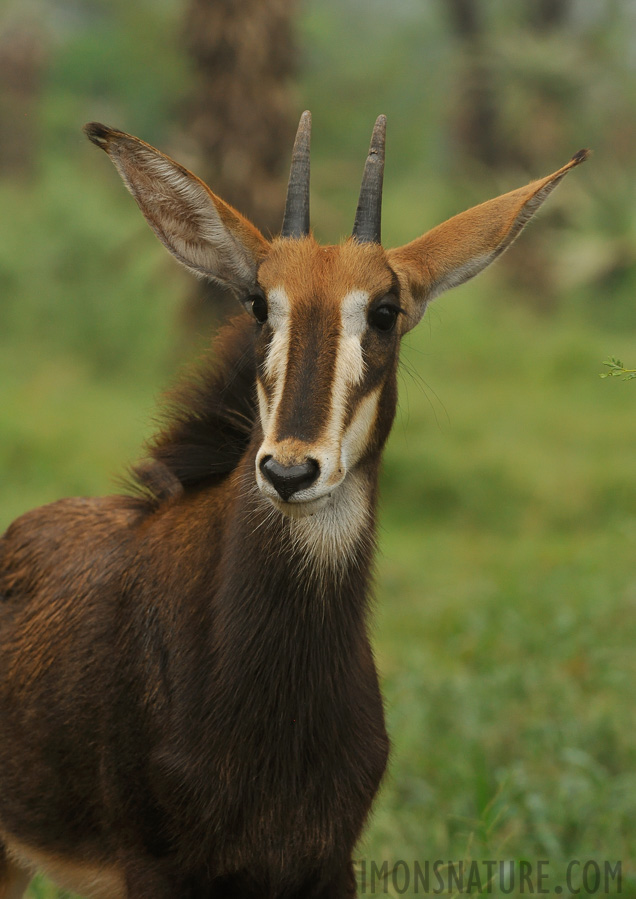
70 536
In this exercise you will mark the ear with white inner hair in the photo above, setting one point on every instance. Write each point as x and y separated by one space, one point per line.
464 245
203 232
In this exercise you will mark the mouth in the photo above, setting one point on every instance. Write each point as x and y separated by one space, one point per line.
299 508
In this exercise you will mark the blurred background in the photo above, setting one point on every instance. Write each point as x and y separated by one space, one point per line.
506 582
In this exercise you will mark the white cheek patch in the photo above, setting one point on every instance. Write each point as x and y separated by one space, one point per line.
349 364
356 436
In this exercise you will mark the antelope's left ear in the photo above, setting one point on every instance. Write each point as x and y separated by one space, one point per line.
465 244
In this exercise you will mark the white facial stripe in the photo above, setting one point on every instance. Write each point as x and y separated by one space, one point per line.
357 434
278 307
276 362
349 368
354 312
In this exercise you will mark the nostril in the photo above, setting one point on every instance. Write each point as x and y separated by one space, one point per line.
289 479
263 463
313 469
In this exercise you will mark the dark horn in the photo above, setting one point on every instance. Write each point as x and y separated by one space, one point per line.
296 218
367 227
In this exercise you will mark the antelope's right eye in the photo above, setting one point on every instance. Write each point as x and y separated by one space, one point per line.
258 306
384 317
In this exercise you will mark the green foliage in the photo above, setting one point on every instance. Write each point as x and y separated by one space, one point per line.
618 370
506 590
79 274
114 61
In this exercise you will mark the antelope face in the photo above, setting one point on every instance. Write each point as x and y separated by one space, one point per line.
328 320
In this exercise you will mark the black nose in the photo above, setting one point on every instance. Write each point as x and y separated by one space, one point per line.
289 479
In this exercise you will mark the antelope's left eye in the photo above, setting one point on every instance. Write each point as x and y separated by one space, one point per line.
259 308
384 317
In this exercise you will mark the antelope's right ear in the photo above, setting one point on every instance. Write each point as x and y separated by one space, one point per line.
202 231
464 245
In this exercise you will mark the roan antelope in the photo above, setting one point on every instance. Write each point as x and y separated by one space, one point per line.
189 705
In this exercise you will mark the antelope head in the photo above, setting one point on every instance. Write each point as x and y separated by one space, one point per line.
328 320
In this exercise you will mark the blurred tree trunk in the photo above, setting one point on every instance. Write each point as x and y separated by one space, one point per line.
503 116
475 126
23 54
241 114
478 113
546 15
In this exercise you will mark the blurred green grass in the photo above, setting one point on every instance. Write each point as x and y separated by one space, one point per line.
508 596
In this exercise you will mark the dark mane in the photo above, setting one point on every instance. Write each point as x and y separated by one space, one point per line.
207 420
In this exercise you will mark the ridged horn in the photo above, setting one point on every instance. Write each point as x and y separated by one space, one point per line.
296 218
367 227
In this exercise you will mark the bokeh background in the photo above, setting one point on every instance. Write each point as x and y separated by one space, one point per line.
506 581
